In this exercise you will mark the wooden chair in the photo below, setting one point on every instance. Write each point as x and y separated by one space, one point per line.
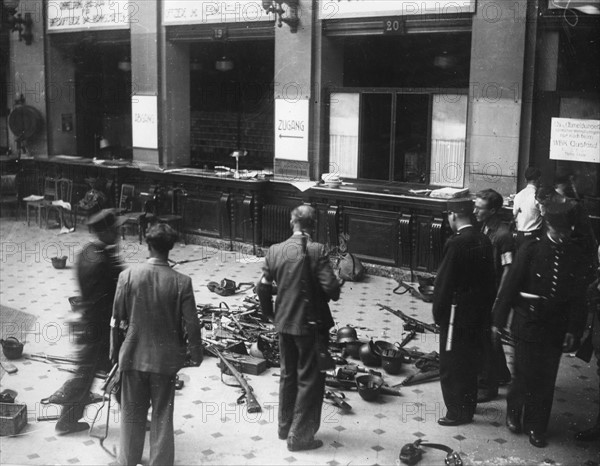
176 217
135 209
48 191
64 196
9 192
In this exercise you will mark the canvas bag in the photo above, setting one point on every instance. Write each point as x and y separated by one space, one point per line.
350 268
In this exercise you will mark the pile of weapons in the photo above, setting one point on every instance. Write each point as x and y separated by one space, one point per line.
369 382
233 328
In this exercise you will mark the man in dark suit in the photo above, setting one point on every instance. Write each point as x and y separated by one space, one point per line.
462 301
545 287
305 284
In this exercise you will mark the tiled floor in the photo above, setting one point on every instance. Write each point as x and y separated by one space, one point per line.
212 429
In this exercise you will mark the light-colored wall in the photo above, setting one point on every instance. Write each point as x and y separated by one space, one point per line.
495 100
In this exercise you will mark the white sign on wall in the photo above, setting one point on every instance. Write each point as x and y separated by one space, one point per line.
83 15
291 129
575 140
337 9
211 12
144 121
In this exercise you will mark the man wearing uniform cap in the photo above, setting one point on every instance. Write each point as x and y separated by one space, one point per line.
98 268
545 288
463 295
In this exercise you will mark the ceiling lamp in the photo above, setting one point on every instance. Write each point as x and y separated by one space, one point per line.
291 12
224 64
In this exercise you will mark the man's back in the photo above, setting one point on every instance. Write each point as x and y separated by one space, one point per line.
153 299
465 276
295 298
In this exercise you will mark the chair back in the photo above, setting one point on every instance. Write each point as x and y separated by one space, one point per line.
126 198
50 188
64 189
178 200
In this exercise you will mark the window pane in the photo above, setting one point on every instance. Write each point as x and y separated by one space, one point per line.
375 121
343 134
410 150
448 134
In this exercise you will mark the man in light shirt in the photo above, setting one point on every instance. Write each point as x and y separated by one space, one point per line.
526 210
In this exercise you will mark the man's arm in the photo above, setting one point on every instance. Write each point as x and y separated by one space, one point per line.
443 290
118 323
264 291
192 325
330 284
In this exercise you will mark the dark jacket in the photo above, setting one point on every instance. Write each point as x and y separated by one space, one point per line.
466 277
300 296
555 272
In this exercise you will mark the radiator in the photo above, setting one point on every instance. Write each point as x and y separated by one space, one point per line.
275 223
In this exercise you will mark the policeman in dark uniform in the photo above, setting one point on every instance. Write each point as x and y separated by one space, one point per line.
546 290
464 293
98 268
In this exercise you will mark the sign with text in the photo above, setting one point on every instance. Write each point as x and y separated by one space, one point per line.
291 129
212 12
144 121
590 7
338 9
575 140
83 15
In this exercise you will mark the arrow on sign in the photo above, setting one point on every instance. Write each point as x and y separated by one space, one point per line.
291 137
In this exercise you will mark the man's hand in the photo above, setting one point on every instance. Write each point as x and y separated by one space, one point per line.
197 355
570 343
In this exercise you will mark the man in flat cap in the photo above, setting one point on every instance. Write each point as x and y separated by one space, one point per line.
154 305
98 268
546 290
463 295
305 285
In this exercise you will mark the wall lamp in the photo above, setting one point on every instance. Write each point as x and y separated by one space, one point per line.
16 22
291 13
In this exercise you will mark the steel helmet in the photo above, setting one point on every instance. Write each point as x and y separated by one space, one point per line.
368 355
346 334
255 352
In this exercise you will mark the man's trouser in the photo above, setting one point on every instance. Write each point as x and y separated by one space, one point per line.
458 371
138 389
301 388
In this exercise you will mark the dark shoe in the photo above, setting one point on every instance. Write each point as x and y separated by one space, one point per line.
513 422
64 429
447 422
282 434
537 440
483 396
310 445
589 434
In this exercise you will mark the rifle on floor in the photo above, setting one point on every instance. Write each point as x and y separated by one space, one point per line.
252 404
411 323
